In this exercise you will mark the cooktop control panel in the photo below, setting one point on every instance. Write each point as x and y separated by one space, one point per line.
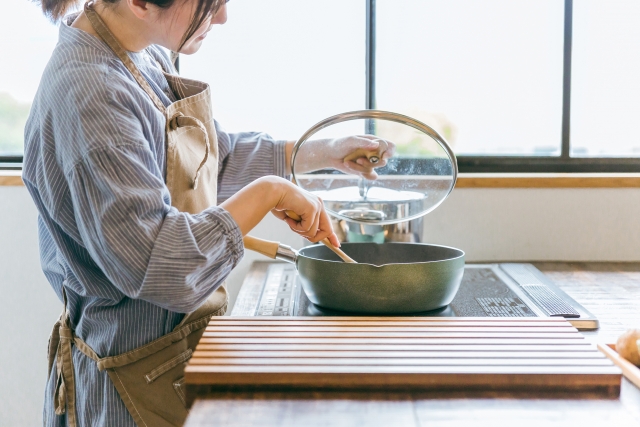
505 307
487 290
280 291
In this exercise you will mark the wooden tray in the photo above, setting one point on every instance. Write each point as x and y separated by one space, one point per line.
369 353
629 370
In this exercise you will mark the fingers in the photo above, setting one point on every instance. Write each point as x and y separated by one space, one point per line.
293 224
297 224
279 214
333 238
314 225
390 151
307 222
373 142
387 150
366 169
357 169
362 165
325 230
306 226
366 142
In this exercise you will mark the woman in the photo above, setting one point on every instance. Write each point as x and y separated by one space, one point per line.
124 162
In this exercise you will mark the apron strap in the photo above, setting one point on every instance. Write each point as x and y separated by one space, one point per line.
108 37
150 348
180 120
65 393
63 339
54 341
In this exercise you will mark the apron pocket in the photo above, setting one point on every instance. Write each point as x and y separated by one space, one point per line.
178 386
168 365
146 386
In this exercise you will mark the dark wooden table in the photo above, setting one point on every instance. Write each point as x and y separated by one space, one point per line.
609 290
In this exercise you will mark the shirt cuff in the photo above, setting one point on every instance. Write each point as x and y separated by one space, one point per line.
230 230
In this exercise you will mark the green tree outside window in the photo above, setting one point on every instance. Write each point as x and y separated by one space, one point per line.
13 117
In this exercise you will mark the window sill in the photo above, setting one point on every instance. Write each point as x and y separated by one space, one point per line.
489 180
10 178
548 180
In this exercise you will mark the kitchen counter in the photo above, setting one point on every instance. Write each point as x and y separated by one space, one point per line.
485 180
609 290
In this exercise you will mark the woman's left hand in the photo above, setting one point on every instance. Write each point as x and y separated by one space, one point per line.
358 155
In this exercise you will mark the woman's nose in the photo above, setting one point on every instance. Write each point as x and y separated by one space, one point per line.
221 15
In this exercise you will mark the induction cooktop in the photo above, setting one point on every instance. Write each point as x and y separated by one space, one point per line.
487 290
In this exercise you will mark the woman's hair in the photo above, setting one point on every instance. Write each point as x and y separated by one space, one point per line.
55 10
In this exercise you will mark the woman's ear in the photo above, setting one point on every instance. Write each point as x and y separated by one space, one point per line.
140 8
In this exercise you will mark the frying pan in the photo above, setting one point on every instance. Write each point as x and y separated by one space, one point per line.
389 278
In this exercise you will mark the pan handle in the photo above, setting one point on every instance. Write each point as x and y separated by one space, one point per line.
271 249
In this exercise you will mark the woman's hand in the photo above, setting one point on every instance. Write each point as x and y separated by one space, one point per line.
249 205
305 214
353 155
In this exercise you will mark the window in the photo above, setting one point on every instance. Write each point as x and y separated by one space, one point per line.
526 86
281 66
27 39
605 93
486 74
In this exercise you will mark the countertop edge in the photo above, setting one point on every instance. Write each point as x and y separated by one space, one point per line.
486 180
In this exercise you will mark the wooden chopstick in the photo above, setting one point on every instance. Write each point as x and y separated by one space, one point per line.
629 370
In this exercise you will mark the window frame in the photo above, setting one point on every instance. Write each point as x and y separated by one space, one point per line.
10 162
564 163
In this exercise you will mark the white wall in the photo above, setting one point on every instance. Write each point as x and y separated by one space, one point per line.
488 224
540 224
28 310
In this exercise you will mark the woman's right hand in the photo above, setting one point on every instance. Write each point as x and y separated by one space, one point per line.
304 213
249 205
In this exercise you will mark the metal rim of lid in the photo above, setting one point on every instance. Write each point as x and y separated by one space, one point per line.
380 115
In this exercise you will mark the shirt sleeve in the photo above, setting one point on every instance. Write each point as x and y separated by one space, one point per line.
245 157
148 249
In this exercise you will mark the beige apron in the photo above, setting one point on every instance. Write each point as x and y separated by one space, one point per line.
150 378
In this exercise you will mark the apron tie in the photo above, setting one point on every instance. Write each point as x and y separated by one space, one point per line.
65 393
180 120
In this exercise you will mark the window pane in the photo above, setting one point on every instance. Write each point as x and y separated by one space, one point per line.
281 66
26 42
486 74
605 93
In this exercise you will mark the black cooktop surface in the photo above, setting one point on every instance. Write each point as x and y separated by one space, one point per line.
486 290
482 293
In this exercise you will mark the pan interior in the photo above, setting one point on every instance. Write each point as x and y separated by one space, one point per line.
385 253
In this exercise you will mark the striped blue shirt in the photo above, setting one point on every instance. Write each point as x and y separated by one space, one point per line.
94 164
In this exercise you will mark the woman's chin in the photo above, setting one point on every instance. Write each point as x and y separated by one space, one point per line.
191 47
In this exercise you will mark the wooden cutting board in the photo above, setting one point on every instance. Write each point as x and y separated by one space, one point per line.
399 353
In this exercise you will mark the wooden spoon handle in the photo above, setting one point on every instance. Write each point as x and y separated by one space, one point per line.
346 258
264 247
338 251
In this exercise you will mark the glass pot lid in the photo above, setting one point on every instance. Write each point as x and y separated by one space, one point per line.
414 181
